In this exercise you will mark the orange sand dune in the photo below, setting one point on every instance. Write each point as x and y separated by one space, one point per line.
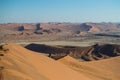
18 63
107 69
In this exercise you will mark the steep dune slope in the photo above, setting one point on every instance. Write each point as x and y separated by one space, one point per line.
17 63
107 69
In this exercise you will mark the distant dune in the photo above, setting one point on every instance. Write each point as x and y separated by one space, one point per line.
31 31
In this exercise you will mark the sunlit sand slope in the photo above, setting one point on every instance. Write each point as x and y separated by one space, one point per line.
107 69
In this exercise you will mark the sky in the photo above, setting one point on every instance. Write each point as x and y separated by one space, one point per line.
33 11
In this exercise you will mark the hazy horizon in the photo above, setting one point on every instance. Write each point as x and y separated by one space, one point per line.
74 11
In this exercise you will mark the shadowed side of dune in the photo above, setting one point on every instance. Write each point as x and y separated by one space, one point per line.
52 51
94 52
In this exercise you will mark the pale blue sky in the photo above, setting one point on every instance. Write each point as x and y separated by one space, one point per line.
29 11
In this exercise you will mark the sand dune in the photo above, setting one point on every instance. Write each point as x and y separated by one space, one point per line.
17 63
107 69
